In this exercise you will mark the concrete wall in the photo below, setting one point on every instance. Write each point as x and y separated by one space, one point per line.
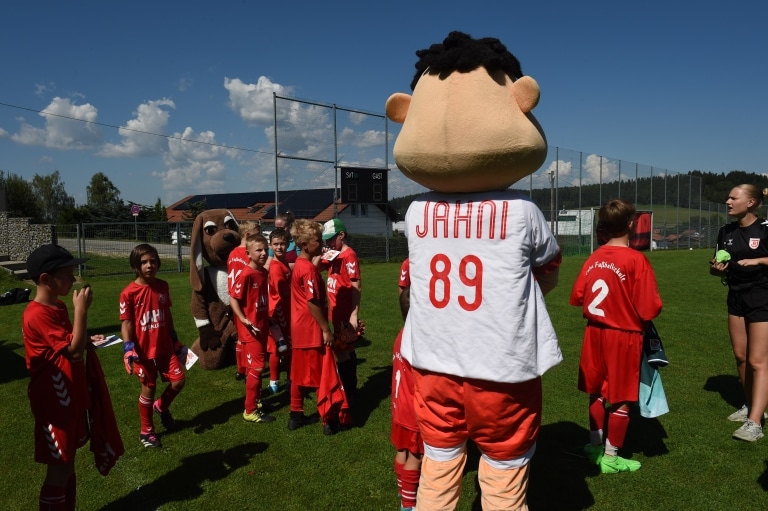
18 237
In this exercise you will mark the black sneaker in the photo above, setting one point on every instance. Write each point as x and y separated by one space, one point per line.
150 440
330 428
297 420
165 417
257 416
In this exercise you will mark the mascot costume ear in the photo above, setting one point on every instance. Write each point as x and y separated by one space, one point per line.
214 235
468 134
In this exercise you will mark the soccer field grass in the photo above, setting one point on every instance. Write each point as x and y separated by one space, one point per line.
215 460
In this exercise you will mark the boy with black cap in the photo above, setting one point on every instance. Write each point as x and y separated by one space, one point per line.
58 392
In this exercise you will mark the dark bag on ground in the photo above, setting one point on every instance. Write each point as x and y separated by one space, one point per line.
15 295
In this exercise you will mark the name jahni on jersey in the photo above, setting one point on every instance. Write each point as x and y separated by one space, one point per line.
607 266
487 219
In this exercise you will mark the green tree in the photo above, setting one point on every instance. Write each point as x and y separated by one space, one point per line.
158 213
194 209
20 197
104 202
51 196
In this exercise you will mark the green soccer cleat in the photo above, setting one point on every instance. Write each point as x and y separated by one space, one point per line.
616 464
594 453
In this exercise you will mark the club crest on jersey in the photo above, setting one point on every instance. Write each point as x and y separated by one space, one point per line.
754 243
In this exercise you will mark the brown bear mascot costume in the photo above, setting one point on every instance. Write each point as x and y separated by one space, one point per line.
214 235
482 257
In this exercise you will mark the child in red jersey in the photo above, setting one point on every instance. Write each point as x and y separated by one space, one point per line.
310 331
237 260
279 309
58 392
150 344
405 430
250 305
344 288
617 290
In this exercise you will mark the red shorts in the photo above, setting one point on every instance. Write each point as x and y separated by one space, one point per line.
503 419
406 439
252 356
307 366
56 445
169 368
610 364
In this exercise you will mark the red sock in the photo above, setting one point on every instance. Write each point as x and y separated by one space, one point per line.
169 394
410 487
274 367
238 358
145 415
399 467
53 498
297 398
252 390
618 423
596 413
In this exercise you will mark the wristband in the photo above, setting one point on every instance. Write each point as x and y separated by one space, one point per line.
128 346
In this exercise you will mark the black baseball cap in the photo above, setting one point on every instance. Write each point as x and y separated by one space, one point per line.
49 258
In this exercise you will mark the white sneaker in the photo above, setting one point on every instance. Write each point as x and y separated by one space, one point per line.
742 413
739 415
749 432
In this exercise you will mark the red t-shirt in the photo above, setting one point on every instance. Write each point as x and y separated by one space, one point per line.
250 291
237 260
280 295
341 272
306 284
616 288
57 389
149 308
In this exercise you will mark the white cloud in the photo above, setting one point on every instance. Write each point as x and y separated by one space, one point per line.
64 127
41 89
362 139
254 102
194 163
184 83
4 133
150 118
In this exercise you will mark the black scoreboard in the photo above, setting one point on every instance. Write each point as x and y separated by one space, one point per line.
363 186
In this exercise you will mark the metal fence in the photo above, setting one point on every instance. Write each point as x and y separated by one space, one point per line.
571 182
569 188
108 245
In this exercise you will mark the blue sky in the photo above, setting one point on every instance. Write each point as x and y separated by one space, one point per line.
674 85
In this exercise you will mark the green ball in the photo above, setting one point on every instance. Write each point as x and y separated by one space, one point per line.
722 256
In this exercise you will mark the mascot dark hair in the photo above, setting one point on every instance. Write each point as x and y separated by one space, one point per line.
482 257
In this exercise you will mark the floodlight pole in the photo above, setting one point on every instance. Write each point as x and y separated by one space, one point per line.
552 200
335 165
277 195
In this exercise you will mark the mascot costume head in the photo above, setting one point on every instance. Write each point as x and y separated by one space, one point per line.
481 259
214 235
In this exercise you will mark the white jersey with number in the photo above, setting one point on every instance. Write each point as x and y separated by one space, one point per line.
476 309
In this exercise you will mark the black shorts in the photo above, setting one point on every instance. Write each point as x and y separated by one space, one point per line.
750 304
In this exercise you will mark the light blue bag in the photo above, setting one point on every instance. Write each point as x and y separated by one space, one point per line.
651 398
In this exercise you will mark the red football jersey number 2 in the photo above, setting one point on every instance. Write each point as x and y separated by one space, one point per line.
440 267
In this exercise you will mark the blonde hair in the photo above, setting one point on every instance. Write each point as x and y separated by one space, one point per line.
252 239
753 192
247 227
304 230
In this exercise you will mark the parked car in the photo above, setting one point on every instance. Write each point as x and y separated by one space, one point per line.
184 238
